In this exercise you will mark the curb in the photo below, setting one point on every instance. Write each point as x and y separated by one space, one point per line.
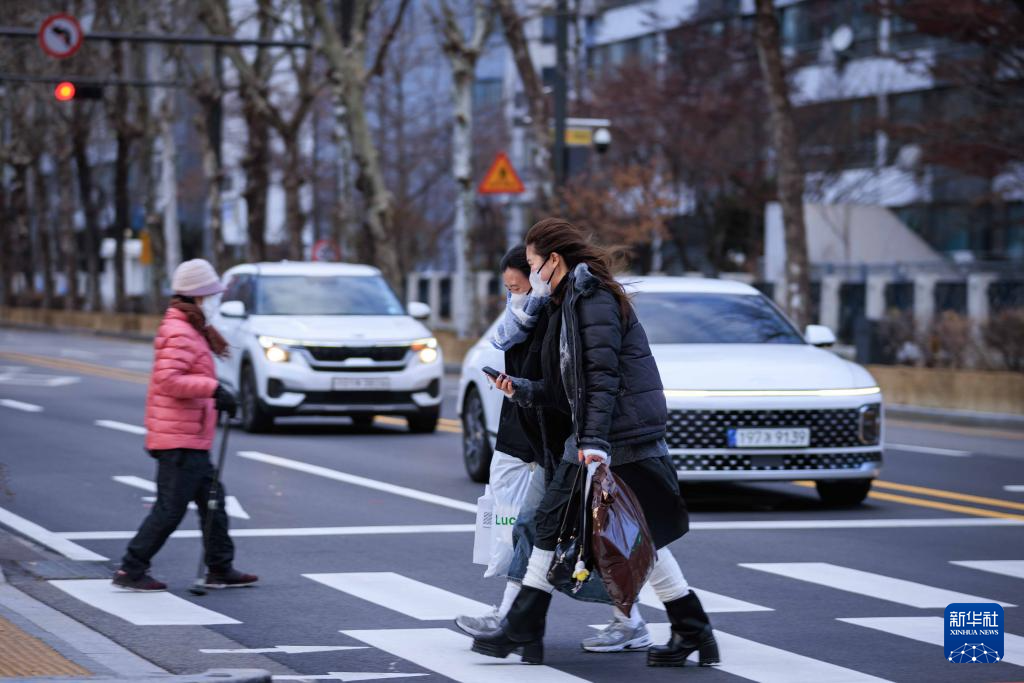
965 418
209 676
88 331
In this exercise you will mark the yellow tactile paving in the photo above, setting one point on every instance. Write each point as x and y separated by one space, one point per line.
24 655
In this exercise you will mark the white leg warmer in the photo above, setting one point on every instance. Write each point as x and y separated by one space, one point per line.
537 570
511 591
667 579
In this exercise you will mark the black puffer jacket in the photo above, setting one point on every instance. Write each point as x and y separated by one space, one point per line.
606 369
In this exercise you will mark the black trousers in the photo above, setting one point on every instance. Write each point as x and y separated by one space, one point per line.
183 476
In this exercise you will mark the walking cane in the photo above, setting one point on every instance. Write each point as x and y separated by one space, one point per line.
199 586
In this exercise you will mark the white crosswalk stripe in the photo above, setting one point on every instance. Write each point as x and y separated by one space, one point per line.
712 602
400 593
766 664
447 653
869 584
929 630
1013 568
141 609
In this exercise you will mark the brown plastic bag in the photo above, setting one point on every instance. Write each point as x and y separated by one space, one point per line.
623 550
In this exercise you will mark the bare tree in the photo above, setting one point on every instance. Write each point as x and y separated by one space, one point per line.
463 53
346 52
790 172
536 101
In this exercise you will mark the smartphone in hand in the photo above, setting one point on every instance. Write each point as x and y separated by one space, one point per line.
491 372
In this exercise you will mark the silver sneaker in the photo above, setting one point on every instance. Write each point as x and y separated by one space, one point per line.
618 637
477 626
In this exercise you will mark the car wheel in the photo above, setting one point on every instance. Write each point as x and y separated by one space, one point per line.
255 418
476 446
424 422
843 493
362 421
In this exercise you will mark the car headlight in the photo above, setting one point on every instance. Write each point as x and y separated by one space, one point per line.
426 349
275 349
869 425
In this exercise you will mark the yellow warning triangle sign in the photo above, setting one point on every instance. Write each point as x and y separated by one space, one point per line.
501 178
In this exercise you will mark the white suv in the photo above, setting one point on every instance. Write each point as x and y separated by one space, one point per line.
749 397
326 339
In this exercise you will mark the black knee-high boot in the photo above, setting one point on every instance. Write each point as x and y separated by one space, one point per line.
522 629
691 630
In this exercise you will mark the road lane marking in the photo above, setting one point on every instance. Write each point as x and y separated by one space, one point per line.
929 450
285 532
19 405
869 584
76 366
712 602
16 375
929 630
400 593
443 425
446 652
777 525
947 507
951 495
365 482
283 649
766 664
344 676
934 504
51 540
231 505
141 609
1014 568
1014 488
121 426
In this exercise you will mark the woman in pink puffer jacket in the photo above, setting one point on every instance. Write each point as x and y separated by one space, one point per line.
181 418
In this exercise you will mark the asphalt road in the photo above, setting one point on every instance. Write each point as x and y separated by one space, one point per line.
362 539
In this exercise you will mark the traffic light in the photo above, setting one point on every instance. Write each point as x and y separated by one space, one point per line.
66 91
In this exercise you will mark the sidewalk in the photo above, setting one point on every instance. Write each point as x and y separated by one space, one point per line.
39 643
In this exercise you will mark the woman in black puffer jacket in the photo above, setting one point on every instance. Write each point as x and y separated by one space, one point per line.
598 368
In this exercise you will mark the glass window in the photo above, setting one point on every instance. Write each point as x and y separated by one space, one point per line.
239 288
322 295
549 28
697 318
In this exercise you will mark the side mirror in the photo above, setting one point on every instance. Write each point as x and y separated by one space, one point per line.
418 310
819 335
233 309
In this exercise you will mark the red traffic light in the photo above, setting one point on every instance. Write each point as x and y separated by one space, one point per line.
65 91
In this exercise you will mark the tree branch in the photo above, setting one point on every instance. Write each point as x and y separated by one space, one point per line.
382 49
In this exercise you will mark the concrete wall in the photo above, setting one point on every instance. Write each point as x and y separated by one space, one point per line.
973 390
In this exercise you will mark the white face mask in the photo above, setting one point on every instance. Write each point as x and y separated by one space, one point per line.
539 287
210 308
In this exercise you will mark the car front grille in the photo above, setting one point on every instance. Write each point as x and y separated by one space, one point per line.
338 354
830 428
358 397
772 462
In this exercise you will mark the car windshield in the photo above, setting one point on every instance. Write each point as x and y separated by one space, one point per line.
702 318
325 295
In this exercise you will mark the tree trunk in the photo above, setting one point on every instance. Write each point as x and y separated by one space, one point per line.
44 232
348 81
6 259
536 100
80 142
122 224
66 221
21 249
462 168
790 174
295 218
257 180
171 234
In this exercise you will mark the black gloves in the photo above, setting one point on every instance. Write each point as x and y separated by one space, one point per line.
225 400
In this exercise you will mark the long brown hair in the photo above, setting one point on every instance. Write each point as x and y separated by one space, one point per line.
197 319
572 244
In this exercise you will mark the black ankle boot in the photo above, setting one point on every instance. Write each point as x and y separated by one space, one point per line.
691 630
522 629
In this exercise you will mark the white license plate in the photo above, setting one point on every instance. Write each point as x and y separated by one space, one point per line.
775 437
360 383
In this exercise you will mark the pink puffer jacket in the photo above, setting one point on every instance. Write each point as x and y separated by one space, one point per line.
180 410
